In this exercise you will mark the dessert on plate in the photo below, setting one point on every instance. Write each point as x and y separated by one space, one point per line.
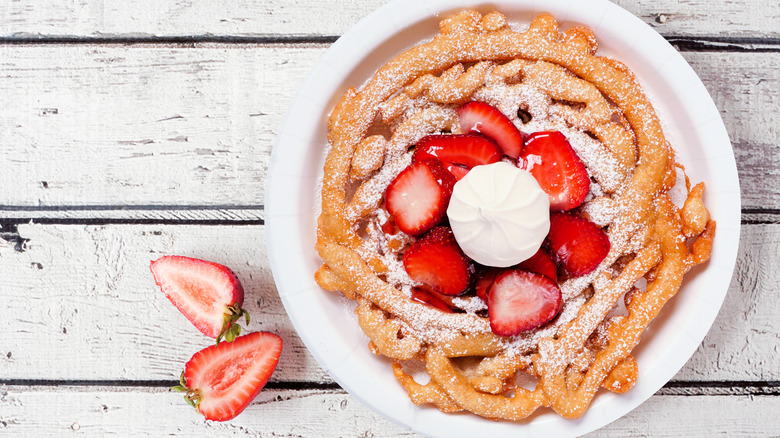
497 203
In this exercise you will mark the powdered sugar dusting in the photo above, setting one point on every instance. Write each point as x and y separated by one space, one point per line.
419 117
469 304
410 114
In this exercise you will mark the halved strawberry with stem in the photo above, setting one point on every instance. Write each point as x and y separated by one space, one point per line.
208 294
578 244
221 380
438 263
418 197
522 300
541 263
549 157
459 153
483 118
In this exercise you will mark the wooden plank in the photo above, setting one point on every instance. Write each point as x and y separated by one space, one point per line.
43 411
130 125
702 18
85 295
101 18
46 411
750 107
114 126
669 416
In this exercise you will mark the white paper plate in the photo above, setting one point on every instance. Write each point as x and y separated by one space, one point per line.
325 321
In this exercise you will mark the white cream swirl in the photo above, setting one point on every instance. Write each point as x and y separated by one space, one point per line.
499 214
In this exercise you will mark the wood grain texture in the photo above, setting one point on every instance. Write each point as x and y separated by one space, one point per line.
749 104
113 412
129 125
85 294
164 18
159 412
144 125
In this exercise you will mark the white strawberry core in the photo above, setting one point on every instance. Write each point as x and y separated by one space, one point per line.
418 202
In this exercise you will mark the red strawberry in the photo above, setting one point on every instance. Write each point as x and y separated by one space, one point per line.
221 380
522 300
578 244
486 119
457 171
419 195
208 294
433 299
459 153
541 263
438 263
557 168
484 281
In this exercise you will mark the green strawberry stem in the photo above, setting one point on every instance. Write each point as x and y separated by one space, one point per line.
192 397
230 328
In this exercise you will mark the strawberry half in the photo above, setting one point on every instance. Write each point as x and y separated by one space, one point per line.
578 244
549 157
480 117
541 263
418 197
459 153
522 300
221 380
208 294
438 263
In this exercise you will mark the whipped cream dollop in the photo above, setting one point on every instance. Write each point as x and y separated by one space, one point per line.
499 214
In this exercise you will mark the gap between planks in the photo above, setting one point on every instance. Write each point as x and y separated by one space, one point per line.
681 43
153 385
146 215
12 216
673 388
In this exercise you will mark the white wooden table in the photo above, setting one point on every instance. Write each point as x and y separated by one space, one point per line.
129 130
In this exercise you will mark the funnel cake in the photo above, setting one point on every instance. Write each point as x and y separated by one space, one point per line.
542 79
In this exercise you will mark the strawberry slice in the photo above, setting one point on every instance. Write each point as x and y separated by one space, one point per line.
419 195
522 300
433 299
484 280
459 153
221 380
208 294
486 119
541 263
549 157
578 244
438 263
